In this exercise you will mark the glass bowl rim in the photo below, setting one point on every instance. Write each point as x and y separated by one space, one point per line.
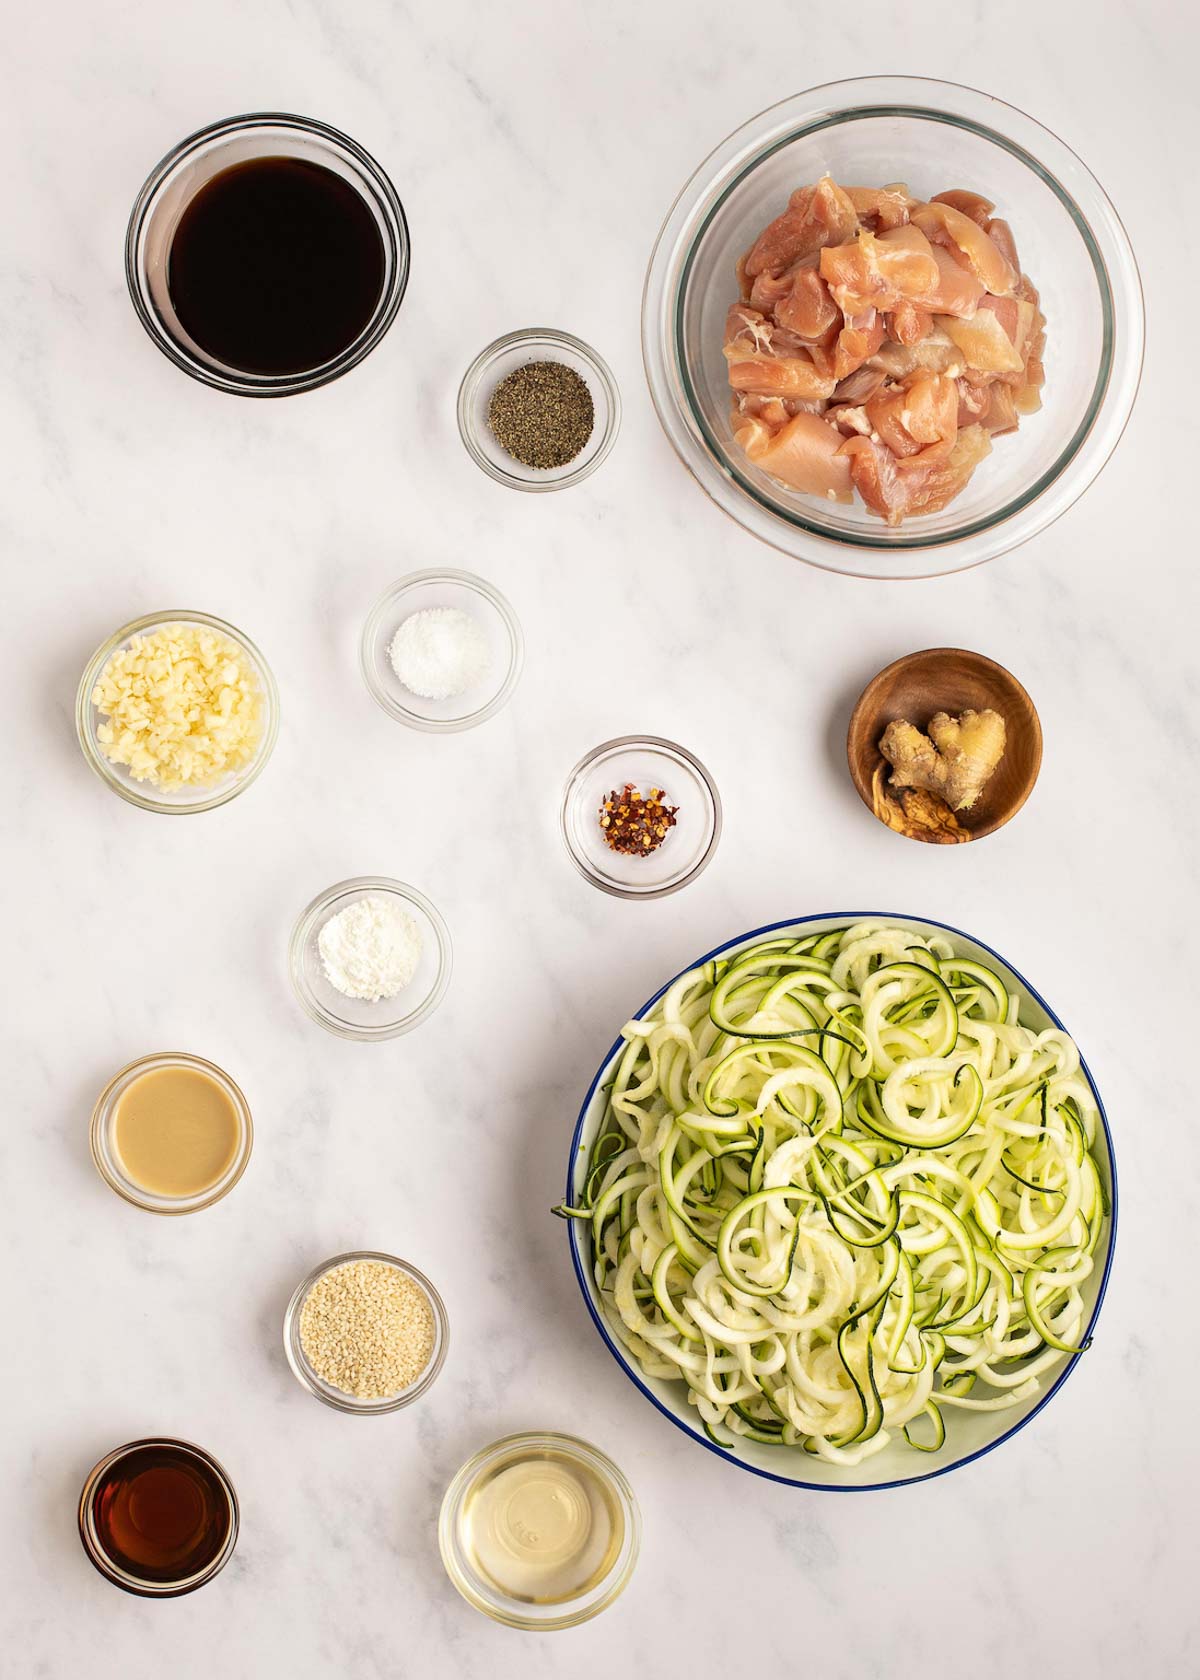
298 1360
304 925
474 375
505 1610
107 1566
107 772
727 166
476 585
127 1188
657 743
582 1273
238 383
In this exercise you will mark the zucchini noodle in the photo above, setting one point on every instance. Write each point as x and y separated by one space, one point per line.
840 1188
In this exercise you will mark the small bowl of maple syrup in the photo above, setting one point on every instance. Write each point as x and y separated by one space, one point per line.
267 254
158 1518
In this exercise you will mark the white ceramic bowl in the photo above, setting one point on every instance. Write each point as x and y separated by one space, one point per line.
968 1434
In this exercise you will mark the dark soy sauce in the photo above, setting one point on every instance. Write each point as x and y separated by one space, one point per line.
276 266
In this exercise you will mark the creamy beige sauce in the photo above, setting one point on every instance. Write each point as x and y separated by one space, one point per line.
176 1131
542 1529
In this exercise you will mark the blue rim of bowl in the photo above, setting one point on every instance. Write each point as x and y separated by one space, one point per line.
849 916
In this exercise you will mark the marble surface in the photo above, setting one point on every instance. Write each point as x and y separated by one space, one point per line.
536 148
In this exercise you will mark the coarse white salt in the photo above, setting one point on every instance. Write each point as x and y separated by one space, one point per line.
440 652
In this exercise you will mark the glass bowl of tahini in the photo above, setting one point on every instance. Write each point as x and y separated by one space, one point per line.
389 1319
489 370
171 1133
434 598
539 1531
370 1018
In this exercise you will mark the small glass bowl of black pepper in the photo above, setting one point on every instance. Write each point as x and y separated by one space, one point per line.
538 410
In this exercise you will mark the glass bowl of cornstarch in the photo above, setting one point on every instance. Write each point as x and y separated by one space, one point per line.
370 958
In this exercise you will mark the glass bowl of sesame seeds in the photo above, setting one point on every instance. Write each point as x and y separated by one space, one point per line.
641 817
366 1333
551 397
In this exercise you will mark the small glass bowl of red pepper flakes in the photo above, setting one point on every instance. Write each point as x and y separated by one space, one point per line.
641 817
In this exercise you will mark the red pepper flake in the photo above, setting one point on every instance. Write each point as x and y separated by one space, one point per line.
635 825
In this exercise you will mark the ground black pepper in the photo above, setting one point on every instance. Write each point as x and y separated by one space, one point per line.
542 414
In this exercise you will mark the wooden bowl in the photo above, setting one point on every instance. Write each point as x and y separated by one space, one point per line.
948 680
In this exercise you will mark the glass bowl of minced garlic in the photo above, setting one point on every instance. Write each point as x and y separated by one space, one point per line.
177 712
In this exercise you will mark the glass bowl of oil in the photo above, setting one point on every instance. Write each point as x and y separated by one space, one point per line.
158 1517
539 1531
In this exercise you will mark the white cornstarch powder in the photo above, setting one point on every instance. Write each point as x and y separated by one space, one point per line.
440 652
370 950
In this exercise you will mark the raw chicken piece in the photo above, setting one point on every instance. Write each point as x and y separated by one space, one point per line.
748 332
983 341
816 216
973 399
806 308
859 385
917 416
775 411
766 290
780 376
879 273
953 291
944 225
936 352
804 455
849 420
1001 413
1001 236
881 207
925 487
909 325
958 292
968 203
860 337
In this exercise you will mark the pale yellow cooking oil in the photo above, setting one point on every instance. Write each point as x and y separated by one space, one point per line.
541 1526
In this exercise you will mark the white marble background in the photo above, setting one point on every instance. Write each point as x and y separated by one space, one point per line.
536 147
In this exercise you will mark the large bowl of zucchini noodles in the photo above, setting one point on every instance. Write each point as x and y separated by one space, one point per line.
842 1201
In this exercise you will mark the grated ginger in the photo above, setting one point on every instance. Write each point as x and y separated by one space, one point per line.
182 705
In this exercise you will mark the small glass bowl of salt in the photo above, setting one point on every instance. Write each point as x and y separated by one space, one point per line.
370 958
441 650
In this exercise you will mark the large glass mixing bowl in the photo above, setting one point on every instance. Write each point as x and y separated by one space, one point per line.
933 135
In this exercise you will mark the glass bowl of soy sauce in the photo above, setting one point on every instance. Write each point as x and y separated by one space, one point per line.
267 254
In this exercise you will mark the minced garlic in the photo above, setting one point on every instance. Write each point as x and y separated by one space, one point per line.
183 707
